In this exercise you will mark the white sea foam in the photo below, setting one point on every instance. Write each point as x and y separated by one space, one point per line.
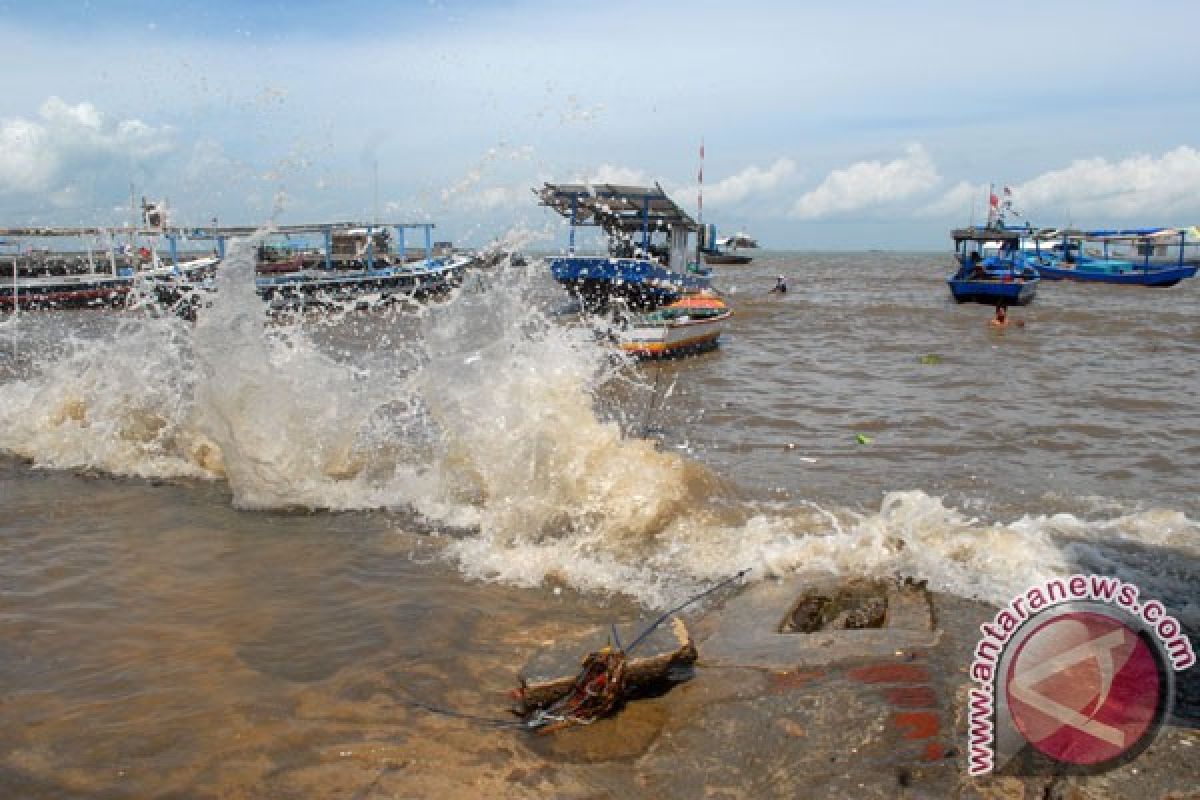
489 423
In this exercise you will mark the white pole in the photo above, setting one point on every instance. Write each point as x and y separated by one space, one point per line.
16 311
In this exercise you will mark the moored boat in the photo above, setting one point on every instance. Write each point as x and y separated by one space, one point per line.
101 274
1158 257
1004 278
357 264
649 261
691 324
726 249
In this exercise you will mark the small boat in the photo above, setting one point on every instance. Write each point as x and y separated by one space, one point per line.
1139 257
649 262
1007 277
725 250
689 325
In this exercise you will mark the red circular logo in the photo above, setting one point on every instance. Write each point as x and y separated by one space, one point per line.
1084 688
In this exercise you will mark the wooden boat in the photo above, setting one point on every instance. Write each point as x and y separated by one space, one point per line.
649 261
1005 278
49 280
351 261
1140 257
691 324
364 264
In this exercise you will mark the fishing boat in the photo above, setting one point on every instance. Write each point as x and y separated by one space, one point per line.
1006 276
649 263
357 264
689 325
725 250
1159 257
97 267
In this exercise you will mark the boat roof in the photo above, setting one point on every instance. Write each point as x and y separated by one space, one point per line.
737 240
209 231
987 235
1123 234
615 207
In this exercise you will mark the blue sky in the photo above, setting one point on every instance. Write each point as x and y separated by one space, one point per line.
827 125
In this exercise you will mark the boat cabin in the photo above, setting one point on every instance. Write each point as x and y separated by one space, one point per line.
641 222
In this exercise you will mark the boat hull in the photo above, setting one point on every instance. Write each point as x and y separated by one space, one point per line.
1135 277
640 283
993 292
52 296
673 339
727 258
308 289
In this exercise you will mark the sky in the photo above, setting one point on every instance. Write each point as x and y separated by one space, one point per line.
847 125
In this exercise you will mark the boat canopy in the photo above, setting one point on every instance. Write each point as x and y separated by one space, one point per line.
737 240
615 208
1126 235
988 235
209 231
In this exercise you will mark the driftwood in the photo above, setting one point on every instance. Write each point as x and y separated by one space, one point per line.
638 673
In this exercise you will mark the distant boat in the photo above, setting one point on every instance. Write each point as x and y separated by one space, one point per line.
1156 257
725 250
690 324
1005 278
649 261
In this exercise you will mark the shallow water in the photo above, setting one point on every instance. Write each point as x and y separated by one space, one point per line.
182 614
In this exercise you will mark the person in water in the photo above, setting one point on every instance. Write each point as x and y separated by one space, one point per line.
780 285
1001 319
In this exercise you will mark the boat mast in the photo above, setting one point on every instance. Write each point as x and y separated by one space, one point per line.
16 310
700 204
375 218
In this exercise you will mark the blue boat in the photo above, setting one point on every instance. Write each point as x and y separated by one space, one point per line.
1005 277
649 262
358 264
1135 257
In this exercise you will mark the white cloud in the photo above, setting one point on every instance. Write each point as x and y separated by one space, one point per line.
1132 187
489 198
47 154
609 173
1135 188
957 202
750 181
869 183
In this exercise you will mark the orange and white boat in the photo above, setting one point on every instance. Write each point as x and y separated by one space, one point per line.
690 324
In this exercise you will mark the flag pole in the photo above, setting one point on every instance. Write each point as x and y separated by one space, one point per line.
700 207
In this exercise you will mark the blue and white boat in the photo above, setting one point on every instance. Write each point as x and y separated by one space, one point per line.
1158 257
357 264
1004 275
649 261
